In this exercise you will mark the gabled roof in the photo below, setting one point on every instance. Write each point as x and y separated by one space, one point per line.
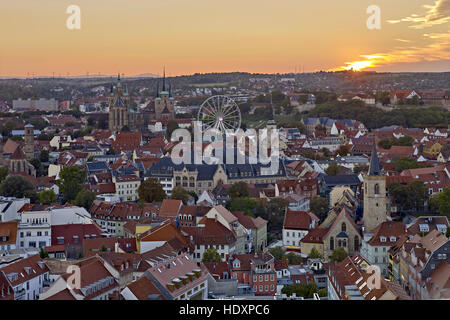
297 220
387 230
144 289
25 269
170 208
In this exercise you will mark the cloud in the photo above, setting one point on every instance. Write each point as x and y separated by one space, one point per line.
437 14
433 47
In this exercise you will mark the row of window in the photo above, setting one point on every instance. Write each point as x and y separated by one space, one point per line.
130 185
265 277
30 234
266 288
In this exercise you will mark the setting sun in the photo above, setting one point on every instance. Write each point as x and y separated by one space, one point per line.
358 65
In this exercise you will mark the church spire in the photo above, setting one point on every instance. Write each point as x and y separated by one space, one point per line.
164 80
374 166
118 80
271 120
157 89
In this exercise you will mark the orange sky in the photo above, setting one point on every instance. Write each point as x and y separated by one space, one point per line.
188 36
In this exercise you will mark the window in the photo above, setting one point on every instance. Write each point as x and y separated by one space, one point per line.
377 188
331 243
343 227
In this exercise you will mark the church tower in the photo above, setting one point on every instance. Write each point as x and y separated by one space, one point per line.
374 194
164 102
29 141
118 107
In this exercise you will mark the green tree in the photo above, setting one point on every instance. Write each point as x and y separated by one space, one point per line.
314 254
238 189
360 168
71 180
179 193
404 141
103 248
385 143
320 207
418 194
326 152
274 212
246 205
44 155
17 186
294 259
47 196
333 169
301 127
342 151
151 190
322 293
38 166
301 290
411 197
277 252
338 254
43 253
406 164
84 198
211 255
444 202
3 173
172 125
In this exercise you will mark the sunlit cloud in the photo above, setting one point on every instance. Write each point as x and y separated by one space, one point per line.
434 47
437 14
403 40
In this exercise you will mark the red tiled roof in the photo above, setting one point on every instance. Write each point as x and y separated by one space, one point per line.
20 268
170 208
69 231
297 220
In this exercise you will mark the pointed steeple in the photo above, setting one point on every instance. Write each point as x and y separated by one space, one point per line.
271 120
164 80
118 80
374 166
170 89
157 90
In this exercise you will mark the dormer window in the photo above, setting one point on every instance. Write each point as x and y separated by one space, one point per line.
424 228
383 239
393 239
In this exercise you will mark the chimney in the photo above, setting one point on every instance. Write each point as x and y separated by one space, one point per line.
116 247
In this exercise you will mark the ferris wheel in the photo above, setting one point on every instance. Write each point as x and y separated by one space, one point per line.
220 113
